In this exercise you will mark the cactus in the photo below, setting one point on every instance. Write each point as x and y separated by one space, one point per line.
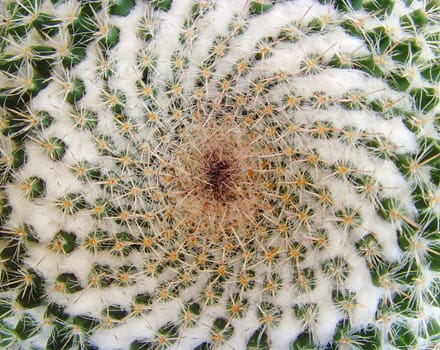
200 174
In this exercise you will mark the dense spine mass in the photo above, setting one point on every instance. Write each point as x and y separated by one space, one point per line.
219 174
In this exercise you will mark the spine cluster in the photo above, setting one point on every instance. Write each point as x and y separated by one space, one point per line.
201 174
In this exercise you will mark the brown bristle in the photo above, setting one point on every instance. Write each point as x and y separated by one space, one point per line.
219 175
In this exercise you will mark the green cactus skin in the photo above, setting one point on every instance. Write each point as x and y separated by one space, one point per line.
209 174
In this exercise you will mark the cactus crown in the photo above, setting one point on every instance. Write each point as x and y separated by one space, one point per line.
234 174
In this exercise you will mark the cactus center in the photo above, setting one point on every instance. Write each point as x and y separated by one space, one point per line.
219 174
214 180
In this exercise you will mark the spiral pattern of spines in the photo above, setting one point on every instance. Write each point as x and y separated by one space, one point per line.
201 174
